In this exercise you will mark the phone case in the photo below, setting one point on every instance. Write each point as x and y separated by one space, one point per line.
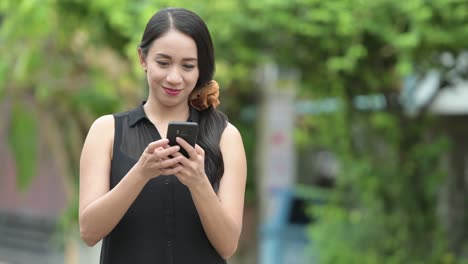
186 130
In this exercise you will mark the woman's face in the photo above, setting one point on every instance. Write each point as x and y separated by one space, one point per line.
172 68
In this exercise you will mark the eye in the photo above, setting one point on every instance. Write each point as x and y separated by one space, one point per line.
162 63
188 66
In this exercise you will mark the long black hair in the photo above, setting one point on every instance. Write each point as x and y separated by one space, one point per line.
211 121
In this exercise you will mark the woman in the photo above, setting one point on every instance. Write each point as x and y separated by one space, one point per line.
146 201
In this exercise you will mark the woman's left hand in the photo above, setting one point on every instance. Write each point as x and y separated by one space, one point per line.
193 168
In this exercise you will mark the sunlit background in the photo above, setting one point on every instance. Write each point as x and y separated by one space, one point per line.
354 116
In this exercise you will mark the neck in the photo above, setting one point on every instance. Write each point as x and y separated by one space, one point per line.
158 113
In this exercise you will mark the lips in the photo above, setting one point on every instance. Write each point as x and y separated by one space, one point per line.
171 92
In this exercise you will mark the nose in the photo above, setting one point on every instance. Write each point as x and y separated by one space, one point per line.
174 76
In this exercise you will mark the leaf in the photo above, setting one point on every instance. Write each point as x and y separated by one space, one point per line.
3 74
23 141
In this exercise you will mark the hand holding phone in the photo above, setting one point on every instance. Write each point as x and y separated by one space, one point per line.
186 130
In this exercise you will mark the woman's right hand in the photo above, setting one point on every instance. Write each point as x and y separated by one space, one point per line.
158 159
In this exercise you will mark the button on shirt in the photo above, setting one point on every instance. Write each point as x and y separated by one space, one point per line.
162 226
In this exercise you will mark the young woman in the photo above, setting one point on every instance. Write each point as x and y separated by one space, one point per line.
145 200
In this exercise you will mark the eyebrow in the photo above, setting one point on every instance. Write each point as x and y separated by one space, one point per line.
169 57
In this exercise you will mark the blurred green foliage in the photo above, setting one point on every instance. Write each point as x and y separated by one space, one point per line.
384 205
23 141
77 60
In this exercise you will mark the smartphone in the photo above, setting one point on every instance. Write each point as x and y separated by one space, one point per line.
186 130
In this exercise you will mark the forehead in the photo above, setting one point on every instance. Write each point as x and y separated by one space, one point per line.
175 44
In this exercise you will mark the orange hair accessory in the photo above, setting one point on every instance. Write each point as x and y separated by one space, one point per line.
205 96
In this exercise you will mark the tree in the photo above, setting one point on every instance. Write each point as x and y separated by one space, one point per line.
385 200
78 58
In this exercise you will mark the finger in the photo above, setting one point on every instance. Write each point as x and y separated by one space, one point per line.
156 144
167 145
170 162
169 156
165 153
177 154
172 171
199 150
155 155
190 150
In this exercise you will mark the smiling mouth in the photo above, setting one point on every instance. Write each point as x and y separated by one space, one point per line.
171 91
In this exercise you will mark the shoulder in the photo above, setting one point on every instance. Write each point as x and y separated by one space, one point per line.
231 135
100 137
230 129
102 128
121 114
102 123
108 121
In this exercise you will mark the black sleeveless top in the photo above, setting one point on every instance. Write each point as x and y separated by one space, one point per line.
162 226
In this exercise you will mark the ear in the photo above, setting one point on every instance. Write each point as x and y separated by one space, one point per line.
142 58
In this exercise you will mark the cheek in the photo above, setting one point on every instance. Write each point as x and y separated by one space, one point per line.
195 76
156 74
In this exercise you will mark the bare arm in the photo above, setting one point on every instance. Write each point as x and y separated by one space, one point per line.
100 209
221 213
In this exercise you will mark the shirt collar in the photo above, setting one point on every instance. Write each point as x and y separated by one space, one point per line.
138 114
